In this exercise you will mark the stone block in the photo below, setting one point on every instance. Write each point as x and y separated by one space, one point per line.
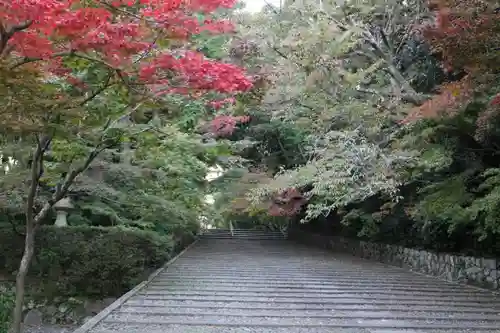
34 317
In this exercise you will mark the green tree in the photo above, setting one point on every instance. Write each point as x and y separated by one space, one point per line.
66 102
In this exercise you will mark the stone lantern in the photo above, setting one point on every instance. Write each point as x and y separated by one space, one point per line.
62 207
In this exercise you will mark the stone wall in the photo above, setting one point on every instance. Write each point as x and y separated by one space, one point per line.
480 272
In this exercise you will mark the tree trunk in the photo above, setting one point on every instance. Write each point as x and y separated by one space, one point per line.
33 221
29 249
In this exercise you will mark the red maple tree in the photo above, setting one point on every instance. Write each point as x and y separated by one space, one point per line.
123 35
288 202
466 36
224 125
143 43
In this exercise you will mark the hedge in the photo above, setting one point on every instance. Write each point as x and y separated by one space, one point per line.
87 261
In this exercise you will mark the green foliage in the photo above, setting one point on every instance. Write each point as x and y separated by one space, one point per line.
350 169
165 177
88 261
485 209
6 306
278 144
444 202
337 75
341 80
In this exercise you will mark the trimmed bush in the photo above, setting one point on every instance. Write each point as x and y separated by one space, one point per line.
87 261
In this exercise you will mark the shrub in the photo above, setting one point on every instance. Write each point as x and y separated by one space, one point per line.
87 261
6 306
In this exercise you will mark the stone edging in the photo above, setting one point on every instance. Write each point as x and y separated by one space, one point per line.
120 301
475 271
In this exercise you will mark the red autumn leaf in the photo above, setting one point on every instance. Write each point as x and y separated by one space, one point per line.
466 35
123 39
223 126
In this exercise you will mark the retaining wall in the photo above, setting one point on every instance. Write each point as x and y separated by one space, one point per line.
480 272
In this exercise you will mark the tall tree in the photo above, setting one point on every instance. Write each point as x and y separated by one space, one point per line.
58 58
338 78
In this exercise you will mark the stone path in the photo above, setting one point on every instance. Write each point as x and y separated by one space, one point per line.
272 286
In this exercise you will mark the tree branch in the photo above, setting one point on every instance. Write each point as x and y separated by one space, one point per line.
96 93
7 33
36 169
70 53
408 98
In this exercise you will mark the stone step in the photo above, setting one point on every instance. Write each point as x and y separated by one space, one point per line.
215 230
273 286
205 242
238 231
272 246
304 322
224 234
288 282
313 274
244 234
276 268
340 269
252 238
249 231
319 314
277 235
269 256
147 328
260 276
254 234
314 291
334 285
178 278
276 273
251 250
266 257
333 307
318 300
326 296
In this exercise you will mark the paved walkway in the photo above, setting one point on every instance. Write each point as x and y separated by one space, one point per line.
252 286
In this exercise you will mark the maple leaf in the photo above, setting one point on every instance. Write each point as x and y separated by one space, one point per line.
123 35
452 95
465 35
224 125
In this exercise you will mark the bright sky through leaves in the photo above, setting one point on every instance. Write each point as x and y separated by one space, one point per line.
256 5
